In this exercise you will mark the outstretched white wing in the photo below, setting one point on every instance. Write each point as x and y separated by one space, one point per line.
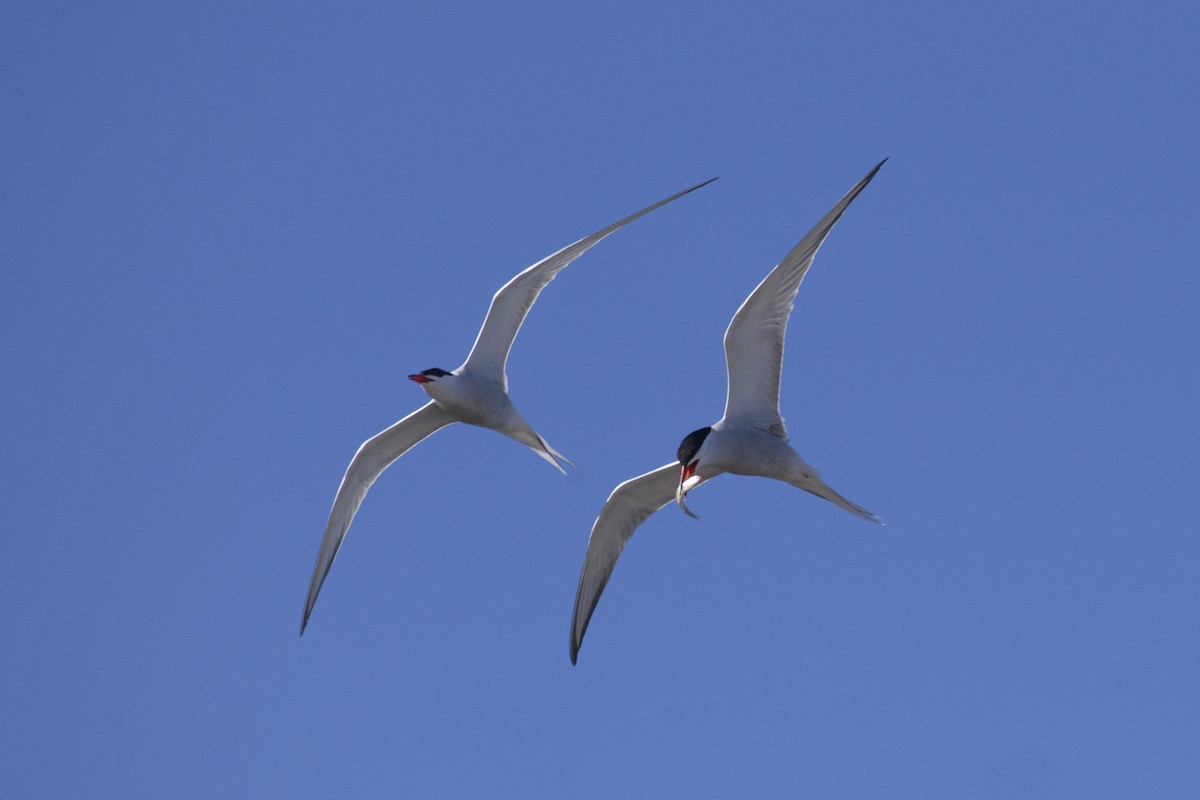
627 507
373 457
514 299
754 339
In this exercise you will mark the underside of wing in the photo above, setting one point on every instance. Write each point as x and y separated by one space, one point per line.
373 457
626 508
754 339
513 301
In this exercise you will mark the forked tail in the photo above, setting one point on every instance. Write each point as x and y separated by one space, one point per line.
811 482
549 453
537 444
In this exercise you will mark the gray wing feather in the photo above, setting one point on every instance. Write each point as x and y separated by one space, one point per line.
754 339
513 300
627 507
373 457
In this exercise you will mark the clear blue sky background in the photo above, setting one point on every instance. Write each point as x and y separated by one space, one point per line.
229 230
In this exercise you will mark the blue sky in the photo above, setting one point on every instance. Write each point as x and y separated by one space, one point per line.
229 233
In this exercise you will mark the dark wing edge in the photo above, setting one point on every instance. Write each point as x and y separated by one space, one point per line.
629 505
512 301
754 376
373 457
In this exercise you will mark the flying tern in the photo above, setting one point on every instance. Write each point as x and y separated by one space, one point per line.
475 393
750 439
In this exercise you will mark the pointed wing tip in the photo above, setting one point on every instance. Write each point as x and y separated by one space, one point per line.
579 629
691 189
577 632
576 641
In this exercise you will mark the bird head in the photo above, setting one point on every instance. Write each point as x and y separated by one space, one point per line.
428 376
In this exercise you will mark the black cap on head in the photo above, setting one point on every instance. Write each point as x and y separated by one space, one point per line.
435 373
691 445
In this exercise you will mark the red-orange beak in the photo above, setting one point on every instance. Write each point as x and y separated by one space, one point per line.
420 378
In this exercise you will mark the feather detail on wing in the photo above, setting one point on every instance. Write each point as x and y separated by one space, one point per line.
514 299
754 339
373 457
626 508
